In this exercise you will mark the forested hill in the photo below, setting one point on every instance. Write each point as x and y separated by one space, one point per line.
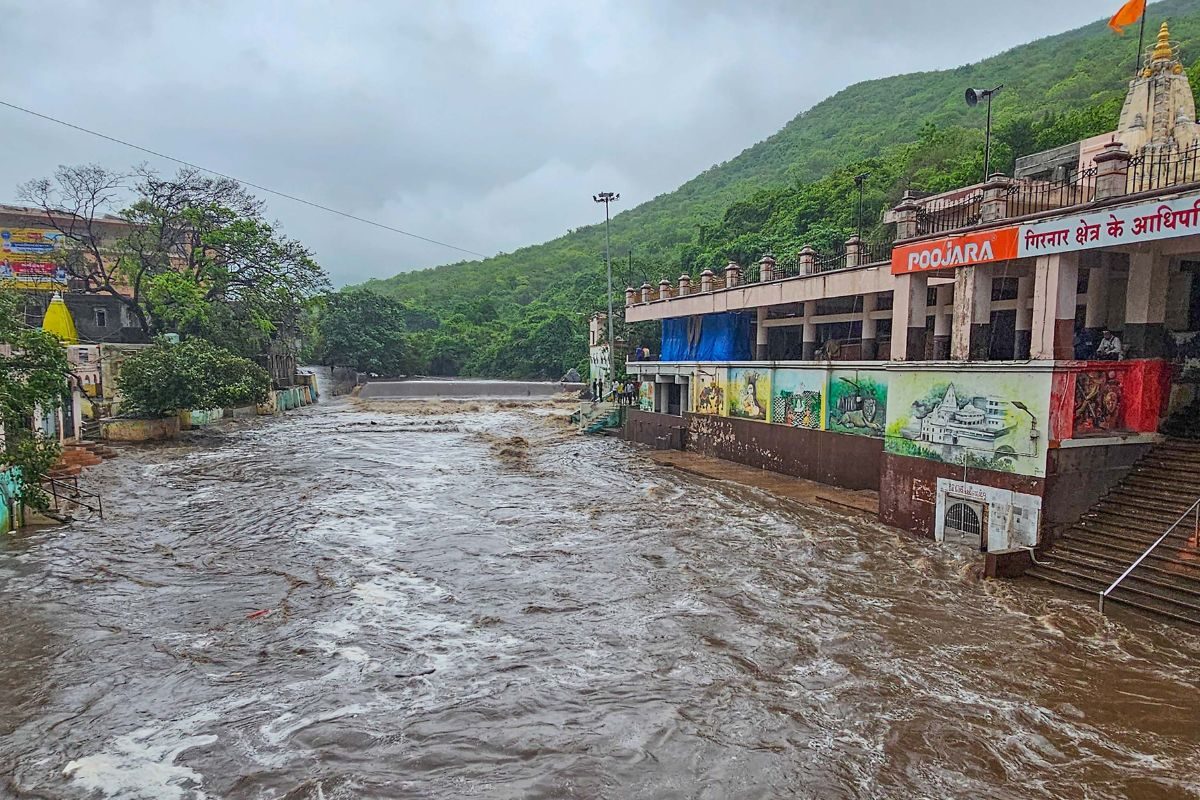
521 314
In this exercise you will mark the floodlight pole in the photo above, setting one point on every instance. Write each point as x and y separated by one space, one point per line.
606 198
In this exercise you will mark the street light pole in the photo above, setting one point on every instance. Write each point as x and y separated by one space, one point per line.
606 198
859 180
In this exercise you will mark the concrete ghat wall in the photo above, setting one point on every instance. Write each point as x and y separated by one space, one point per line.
462 389
851 462
908 499
842 460
1077 477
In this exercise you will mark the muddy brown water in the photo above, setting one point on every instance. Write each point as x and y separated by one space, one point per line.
485 606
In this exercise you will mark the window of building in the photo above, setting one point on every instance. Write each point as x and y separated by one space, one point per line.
101 318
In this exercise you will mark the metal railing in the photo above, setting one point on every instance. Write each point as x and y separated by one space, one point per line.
1194 510
1033 196
950 214
875 252
835 259
1159 169
65 496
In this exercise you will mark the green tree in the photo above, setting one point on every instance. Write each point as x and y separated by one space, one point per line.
365 331
195 374
33 378
195 256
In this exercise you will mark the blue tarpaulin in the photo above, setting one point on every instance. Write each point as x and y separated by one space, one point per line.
712 337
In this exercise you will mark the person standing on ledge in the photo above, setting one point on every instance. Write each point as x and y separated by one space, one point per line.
1109 348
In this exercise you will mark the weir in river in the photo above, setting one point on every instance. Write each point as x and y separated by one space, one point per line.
347 603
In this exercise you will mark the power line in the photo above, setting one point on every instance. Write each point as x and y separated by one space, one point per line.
261 188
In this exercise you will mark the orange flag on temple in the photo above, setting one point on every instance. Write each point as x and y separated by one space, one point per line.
1130 13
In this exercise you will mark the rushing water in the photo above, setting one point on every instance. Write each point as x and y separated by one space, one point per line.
344 603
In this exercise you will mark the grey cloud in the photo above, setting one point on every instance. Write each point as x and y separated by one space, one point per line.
487 124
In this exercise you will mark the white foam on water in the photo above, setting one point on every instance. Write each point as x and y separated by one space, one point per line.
140 765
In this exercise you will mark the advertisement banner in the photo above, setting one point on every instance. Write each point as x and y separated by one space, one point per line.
1144 222
27 258
948 252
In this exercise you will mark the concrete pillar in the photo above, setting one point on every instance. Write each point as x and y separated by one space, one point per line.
685 395
664 289
1146 305
995 198
1055 285
941 322
853 251
908 317
971 328
808 351
630 295
733 273
1179 298
766 268
760 335
1112 170
870 350
1024 332
685 285
808 260
706 280
645 292
906 218
1096 313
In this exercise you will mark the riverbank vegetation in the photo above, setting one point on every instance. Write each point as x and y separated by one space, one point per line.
523 314
33 380
166 378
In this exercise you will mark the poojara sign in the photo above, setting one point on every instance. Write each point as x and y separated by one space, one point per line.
949 252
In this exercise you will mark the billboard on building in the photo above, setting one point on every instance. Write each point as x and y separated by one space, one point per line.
29 258
949 252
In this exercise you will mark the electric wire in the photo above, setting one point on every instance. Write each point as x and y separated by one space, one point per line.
257 186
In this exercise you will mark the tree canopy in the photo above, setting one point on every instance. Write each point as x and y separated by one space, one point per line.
191 254
195 374
33 377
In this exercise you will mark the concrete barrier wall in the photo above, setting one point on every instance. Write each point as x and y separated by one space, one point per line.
199 417
464 389
139 430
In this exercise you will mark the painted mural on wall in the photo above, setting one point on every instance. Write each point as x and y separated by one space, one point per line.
1098 402
646 396
798 398
9 487
708 391
749 393
857 402
985 420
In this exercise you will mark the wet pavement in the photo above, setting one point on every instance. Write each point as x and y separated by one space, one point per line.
346 603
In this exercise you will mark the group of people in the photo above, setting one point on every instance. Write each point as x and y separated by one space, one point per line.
623 393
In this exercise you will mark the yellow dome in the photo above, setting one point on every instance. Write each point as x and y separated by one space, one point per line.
59 322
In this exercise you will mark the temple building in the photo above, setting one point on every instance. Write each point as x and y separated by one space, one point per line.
964 373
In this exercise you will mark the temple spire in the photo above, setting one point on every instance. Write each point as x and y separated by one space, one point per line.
1163 49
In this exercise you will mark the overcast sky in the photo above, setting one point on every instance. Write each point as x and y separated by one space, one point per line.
485 124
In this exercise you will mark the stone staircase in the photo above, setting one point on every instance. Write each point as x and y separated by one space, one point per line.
1126 521
78 456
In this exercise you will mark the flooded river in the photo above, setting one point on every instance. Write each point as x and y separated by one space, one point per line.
348 603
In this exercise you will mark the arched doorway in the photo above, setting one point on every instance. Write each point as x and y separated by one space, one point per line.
965 519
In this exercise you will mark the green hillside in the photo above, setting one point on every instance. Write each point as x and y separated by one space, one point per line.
520 314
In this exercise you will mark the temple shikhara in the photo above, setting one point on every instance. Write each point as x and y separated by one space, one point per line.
1017 371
